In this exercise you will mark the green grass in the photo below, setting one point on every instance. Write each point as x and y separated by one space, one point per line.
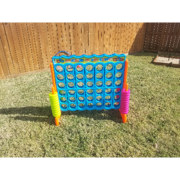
153 130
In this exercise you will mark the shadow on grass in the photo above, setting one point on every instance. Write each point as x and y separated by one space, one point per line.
146 54
44 114
143 54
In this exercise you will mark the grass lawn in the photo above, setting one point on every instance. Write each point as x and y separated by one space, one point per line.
153 130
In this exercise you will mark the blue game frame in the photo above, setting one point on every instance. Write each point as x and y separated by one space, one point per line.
83 61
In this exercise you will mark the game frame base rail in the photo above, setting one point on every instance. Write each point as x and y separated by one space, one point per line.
89 82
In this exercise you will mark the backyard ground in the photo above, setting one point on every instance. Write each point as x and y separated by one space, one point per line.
153 130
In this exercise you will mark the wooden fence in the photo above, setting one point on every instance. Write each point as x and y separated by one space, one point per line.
162 37
26 47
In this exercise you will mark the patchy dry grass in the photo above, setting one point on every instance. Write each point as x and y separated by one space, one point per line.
153 130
